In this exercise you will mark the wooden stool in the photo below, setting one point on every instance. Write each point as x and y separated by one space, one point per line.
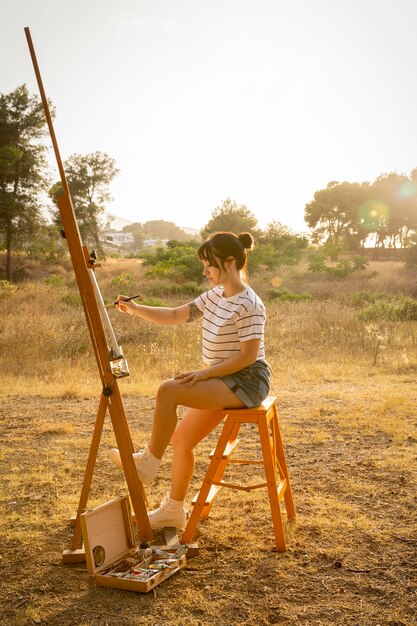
275 466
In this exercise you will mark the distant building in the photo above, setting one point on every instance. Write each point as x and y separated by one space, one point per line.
148 243
118 239
114 222
190 231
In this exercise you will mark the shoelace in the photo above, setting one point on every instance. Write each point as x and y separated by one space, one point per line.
161 507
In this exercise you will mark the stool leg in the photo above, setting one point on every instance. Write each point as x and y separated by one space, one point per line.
212 472
221 467
271 479
280 455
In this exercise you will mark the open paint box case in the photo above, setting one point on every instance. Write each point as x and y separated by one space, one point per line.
113 557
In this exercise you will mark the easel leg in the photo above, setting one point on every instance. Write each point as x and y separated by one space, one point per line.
124 442
68 555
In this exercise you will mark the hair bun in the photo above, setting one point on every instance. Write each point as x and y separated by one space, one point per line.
247 240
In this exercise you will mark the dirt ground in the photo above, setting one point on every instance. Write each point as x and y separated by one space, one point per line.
351 555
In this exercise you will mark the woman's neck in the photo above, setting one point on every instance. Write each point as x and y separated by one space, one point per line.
233 286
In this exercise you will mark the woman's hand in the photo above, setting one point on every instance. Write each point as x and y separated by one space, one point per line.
125 307
189 378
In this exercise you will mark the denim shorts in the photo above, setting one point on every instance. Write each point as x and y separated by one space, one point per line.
251 385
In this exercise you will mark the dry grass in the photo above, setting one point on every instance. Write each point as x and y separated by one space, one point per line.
44 341
379 277
351 551
347 402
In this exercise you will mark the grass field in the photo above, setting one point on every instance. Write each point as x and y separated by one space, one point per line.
346 388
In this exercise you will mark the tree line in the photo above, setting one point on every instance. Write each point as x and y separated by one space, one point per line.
343 217
347 216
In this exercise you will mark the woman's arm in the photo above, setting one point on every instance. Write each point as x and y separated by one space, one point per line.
249 350
159 314
247 355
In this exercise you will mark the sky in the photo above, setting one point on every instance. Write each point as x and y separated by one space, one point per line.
261 101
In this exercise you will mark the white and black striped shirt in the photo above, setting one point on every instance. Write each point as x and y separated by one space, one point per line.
228 321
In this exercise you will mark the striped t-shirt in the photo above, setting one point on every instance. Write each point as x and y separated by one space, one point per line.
228 321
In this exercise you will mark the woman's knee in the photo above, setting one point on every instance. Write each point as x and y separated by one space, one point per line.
180 443
167 390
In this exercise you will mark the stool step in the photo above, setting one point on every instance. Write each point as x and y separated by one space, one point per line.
214 489
231 445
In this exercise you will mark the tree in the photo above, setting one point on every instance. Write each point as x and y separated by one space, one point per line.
286 246
23 169
275 231
160 229
231 217
136 229
88 178
156 229
410 255
345 216
394 209
410 218
333 215
45 245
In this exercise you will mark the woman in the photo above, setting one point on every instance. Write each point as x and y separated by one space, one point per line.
236 375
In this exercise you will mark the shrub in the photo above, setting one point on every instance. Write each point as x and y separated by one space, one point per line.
177 261
317 264
7 289
360 263
72 299
152 302
340 270
400 310
189 289
359 299
263 255
54 281
287 296
279 245
122 282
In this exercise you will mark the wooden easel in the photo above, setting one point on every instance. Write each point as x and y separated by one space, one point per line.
110 398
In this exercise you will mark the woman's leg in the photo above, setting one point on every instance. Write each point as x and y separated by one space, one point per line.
208 394
205 400
193 428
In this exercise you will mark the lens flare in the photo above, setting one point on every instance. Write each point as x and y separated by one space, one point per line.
276 281
372 214
408 189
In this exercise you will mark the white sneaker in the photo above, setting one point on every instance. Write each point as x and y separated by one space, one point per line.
147 465
169 513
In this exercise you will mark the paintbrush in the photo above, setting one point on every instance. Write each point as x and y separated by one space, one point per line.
108 306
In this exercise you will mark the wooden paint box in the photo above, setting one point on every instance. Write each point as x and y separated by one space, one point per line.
111 552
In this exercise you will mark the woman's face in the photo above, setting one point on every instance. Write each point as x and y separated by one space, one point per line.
212 273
